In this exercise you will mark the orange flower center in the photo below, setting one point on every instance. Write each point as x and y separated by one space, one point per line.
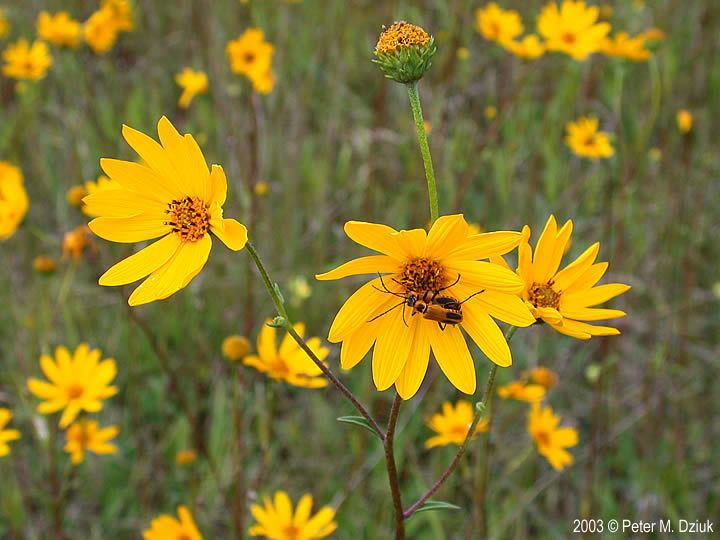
189 217
589 140
249 57
422 275
75 391
83 436
278 368
401 35
543 295
291 532
569 38
459 430
183 536
543 438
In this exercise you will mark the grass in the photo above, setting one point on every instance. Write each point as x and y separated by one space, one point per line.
336 142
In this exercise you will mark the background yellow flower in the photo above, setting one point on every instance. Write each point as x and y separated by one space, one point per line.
277 520
87 436
551 440
6 434
453 423
572 28
13 199
585 140
76 383
167 527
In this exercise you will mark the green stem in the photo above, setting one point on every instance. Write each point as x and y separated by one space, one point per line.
392 469
424 148
277 299
480 410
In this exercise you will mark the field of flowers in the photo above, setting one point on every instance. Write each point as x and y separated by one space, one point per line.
301 269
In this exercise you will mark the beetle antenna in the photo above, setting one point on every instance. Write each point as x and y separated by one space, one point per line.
386 311
474 294
386 289
451 285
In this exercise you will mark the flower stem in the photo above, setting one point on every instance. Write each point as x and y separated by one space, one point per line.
280 306
392 469
424 148
480 410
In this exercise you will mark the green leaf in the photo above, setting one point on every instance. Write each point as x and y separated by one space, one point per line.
429 506
358 421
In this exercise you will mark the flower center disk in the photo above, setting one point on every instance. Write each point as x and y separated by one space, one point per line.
401 35
543 295
189 217
422 275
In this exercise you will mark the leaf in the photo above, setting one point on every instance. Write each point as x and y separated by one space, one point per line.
358 421
429 506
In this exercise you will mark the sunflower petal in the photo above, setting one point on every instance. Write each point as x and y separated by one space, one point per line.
373 264
412 375
129 230
173 275
446 233
391 350
375 236
487 335
486 245
142 263
592 297
453 357
233 234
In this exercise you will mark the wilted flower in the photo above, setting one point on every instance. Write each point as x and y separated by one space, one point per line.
59 29
27 62
551 441
235 347
166 527
76 383
684 119
76 241
585 140
192 83
13 199
6 435
572 29
543 376
173 196
277 521
453 423
86 435
404 52
289 363
185 457
44 264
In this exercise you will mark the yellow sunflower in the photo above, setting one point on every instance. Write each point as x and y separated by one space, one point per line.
26 61
166 527
585 140
277 521
289 363
522 391
192 82
497 24
551 441
6 435
250 54
624 46
13 199
86 435
101 31
453 423
528 48
59 29
565 298
173 196
77 383
447 260
572 29
543 376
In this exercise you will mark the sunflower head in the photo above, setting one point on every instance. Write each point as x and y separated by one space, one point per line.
404 52
275 518
75 383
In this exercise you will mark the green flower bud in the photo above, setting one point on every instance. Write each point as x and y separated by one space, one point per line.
404 52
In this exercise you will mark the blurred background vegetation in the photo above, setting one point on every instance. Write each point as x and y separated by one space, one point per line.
334 141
